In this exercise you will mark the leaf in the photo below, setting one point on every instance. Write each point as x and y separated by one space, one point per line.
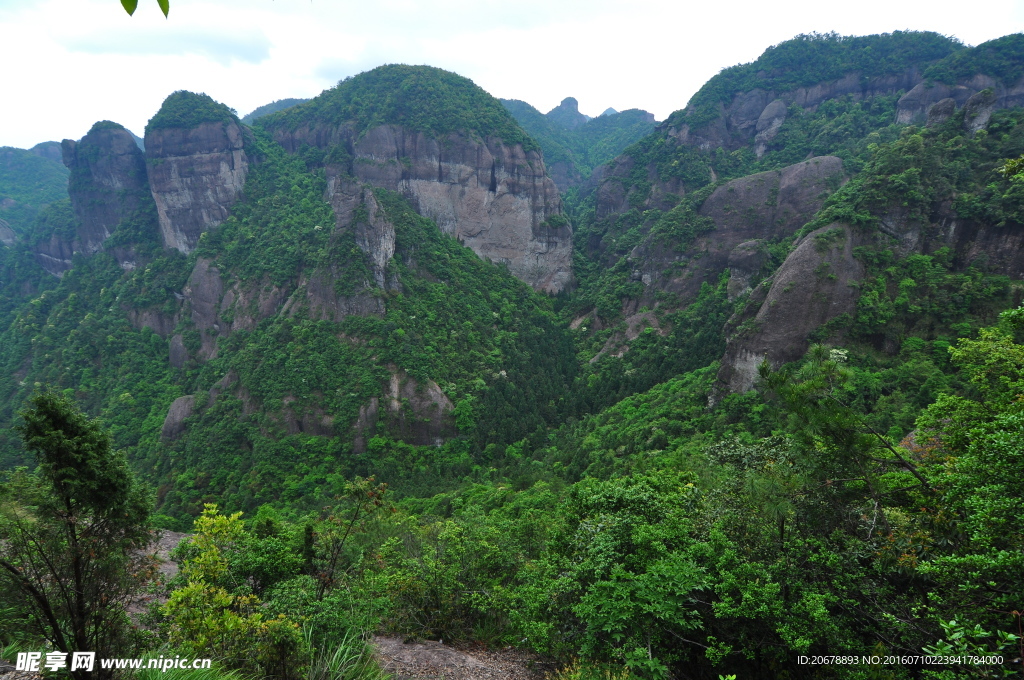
129 6
165 6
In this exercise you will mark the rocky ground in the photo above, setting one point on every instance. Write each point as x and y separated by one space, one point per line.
429 660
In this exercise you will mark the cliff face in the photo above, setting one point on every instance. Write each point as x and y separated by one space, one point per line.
196 175
7 235
816 283
914 106
107 183
751 116
492 197
746 212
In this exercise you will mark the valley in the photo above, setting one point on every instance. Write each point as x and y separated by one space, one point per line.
677 399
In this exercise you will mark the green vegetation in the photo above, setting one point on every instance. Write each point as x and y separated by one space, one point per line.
72 535
594 143
1002 58
420 98
131 5
810 59
183 109
28 183
272 107
592 494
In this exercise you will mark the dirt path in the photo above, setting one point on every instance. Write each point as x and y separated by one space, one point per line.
428 660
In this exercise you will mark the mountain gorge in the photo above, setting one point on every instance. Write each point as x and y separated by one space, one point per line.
679 399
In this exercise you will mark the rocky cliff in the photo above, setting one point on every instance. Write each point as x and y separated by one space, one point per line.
453 151
196 174
7 235
816 283
747 214
493 197
755 116
107 183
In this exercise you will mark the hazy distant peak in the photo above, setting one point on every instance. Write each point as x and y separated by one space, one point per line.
567 114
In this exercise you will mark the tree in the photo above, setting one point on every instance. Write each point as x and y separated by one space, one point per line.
73 534
131 5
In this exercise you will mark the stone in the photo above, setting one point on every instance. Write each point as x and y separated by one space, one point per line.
196 176
941 111
494 198
174 423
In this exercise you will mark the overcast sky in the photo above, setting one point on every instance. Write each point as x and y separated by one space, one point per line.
69 63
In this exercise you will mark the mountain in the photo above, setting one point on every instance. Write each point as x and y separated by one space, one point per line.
346 239
567 114
573 150
272 107
747 389
764 117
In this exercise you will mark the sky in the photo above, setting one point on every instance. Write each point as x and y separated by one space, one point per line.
68 63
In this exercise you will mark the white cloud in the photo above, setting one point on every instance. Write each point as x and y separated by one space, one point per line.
69 63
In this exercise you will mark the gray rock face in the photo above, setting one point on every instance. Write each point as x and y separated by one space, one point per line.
494 198
979 109
54 255
915 104
941 111
415 414
174 423
106 185
7 235
768 125
815 284
739 120
203 292
196 176
746 211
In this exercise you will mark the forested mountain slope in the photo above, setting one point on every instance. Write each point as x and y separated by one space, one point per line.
574 144
750 392
197 343
661 219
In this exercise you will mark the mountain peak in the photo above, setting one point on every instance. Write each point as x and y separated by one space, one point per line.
567 114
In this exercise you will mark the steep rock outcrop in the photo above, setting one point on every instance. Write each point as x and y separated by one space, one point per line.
751 113
203 292
409 412
174 423
54 255
816 284
107 182
7 235
913 107
567 114
746 211
494 198
196 175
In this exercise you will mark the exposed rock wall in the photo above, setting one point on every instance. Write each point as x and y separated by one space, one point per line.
494 198
107 184
410 412
54 255
196 176
746 212
174 423
913 107
753 113
815 284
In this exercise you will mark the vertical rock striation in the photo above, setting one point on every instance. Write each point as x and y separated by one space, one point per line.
196 174
495 198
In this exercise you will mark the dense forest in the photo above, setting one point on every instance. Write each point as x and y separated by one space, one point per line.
775 410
